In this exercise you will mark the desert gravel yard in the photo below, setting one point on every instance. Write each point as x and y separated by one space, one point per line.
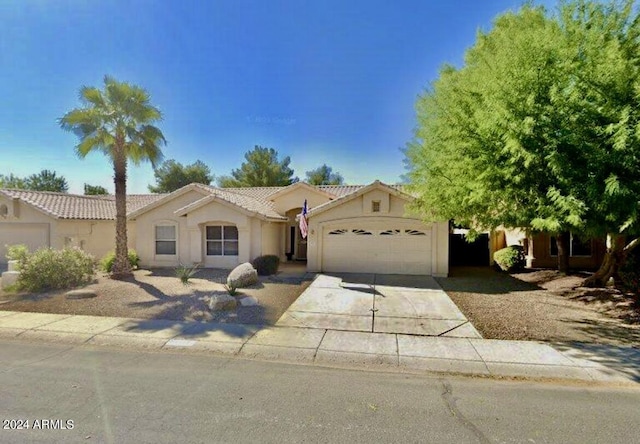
158 294
542 305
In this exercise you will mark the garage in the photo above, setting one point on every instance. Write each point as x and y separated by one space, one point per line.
34 236
391 247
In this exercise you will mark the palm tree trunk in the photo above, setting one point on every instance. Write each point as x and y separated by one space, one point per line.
121 267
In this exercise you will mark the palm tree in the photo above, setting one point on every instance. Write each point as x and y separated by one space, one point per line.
119 123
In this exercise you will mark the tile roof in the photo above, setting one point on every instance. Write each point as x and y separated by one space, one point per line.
246 200
72 206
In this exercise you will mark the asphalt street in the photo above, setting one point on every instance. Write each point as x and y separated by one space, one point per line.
120 396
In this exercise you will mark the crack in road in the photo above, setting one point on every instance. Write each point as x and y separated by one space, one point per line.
450 402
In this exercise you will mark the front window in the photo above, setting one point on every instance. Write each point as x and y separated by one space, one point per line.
577 246
222 240
165 239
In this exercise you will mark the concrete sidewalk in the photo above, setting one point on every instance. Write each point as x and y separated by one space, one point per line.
481 357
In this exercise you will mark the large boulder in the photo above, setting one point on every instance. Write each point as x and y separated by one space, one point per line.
242 276
221 301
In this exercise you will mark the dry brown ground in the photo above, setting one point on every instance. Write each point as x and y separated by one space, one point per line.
158 294
542 305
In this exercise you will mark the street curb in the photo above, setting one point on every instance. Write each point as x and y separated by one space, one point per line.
522 360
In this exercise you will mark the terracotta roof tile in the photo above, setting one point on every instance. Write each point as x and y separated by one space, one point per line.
73 206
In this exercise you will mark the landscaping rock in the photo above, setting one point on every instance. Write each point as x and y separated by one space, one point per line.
13 266
9 278
248 301
220 302
242 276
81 294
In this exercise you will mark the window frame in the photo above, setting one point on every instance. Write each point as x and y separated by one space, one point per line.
552 245
174 240
223 241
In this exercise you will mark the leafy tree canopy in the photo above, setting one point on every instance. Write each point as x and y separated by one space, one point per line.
538 128
11 181
172 175
324 175
45 180
260 169
94 190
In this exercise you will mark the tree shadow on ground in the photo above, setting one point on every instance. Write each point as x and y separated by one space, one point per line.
193 329
603 330
614 360
483 280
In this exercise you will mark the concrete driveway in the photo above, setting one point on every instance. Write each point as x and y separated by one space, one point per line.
377 303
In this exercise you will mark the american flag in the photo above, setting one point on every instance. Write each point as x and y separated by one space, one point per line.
304 228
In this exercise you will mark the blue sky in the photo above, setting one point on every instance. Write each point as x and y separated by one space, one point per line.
322 82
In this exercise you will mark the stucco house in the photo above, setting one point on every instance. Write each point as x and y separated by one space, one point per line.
351 228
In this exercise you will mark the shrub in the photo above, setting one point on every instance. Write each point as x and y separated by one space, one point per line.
106 263
185 273
510 258
266 265
48 269
630 272
18 253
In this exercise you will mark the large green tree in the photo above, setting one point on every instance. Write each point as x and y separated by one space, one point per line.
45 180
118 122
11 181
261 168
94 190
324 175
171 175
537 128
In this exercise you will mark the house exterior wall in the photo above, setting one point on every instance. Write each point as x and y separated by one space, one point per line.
357 210
539 254
538 250
295 199
164 215
96 237
271 238
23 225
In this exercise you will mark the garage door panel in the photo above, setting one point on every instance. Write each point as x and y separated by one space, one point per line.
34 236
377 248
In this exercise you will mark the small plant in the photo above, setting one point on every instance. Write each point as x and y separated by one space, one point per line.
266 265
231 289
106 263
185 273
510 258
18 252
49 269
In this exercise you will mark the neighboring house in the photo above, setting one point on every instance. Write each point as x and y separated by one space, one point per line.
541 249
351 228
46 219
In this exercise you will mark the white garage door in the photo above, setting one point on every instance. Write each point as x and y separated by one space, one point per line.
33 236
386 248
